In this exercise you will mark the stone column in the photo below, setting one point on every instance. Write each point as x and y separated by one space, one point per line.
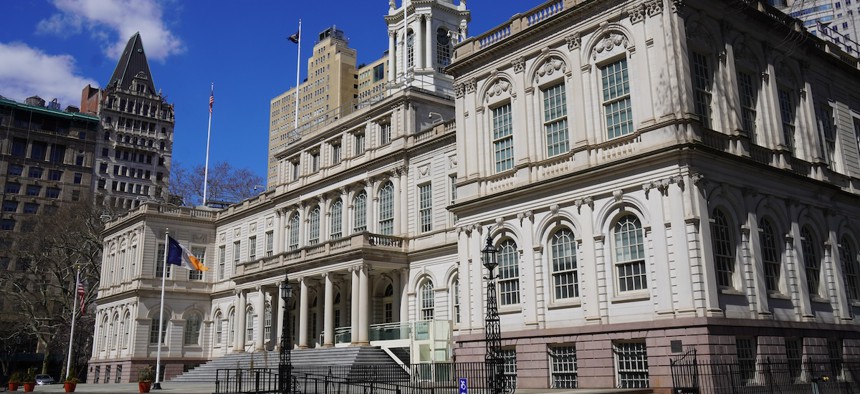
278 232
429 39
363 305
328 313
354 306
303 314
239 325
392 57
418 43
260 308
403 290
277 308
395 298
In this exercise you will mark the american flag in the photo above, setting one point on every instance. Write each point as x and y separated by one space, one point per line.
82 294
211 101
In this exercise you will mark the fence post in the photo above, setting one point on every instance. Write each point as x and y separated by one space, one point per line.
770 381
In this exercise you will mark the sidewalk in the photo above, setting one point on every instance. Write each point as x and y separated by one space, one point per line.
209 388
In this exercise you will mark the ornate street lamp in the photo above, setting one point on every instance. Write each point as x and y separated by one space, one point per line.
285 365
492 327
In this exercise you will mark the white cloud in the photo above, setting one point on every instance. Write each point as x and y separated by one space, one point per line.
121 19
26 72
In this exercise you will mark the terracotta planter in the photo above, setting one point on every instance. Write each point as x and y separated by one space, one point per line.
143 387
69 387
13 387
29 387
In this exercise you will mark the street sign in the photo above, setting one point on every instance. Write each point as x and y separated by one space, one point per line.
464 387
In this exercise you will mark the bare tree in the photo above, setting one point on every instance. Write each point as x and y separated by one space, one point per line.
226 184
53 249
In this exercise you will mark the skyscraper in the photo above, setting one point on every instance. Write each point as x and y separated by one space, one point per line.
134 151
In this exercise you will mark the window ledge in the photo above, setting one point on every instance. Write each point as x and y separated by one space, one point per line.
569 303
729 291
509 309
820 300
778 296
635 296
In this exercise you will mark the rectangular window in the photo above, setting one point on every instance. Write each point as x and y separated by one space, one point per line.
19 147
34 190
159 262
17 170
425 208
10 206
826 132
237 248
555 120
834 353
794 358
153 331
616 99
296 169
702 87
509 367
315 161
748 93
7 224
55 175
31 208
786 112
52 192
336 153
252 248
13 188
384 133
78 178
38 150
503 138
200 253
222 259
270 243
359 143
746 353
35 172
563 363
631 365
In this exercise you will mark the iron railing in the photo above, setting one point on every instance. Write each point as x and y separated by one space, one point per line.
424 378
692 376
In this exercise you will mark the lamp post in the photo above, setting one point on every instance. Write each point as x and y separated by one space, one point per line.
492 327
285 365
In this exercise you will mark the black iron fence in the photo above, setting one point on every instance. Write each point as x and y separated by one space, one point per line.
692 376
424 378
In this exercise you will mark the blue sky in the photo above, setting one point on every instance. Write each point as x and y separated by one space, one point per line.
53 48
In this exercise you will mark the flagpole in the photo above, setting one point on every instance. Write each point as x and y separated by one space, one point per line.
298 69
208 134
72 330
157 385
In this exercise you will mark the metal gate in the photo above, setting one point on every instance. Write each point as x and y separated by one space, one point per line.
685 373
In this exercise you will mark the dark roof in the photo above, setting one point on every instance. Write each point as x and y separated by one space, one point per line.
4 102
132 63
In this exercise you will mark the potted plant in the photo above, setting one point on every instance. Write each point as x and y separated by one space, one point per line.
29 380
144 379
70 383
14 381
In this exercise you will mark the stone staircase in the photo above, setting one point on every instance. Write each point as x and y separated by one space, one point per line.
367 355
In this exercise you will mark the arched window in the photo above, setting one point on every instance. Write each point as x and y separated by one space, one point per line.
386 209
294 232
336 225
555 119
314 226
629 254
443 50
455 300
811 260
249 324
267 323
360 214
231 327
509 273
565 279
192 330
724 249
771 255
428 304
617 107
114 332
748 88
850 268
126 333
219 329
388 304
503 138
410 50
153 330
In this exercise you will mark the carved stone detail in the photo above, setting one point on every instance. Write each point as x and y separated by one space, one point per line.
470 86
460 90
519 64
550 66
609 43
653 7
501 86
573 41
